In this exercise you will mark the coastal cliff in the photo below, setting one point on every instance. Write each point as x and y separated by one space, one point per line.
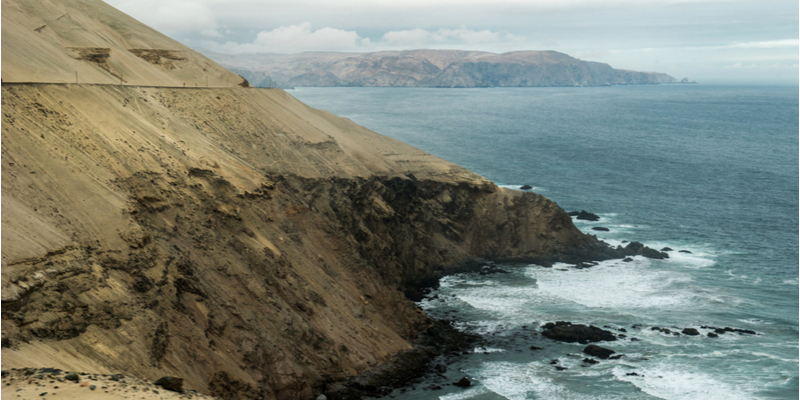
431 68
231 236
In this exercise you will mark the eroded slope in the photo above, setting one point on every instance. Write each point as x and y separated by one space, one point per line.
234 237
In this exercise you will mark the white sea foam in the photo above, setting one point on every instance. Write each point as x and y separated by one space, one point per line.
794 281
515 382
536 189
774 357
615 284
682 382
470 393
488 350
754 321
533 381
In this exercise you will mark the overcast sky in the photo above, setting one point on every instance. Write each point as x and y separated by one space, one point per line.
706 40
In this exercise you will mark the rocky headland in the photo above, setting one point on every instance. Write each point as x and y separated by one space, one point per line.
431 68
160 218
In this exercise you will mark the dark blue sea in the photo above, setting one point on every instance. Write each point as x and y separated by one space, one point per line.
708 169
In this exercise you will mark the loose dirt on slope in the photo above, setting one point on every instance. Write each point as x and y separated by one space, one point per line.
231 232
229 236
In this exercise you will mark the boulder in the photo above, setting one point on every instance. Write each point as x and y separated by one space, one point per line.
51 371
627 259
526 187
590 361
587 216
633 249
690 332
73 376
685 251
170 383
600 228
566 332
740 331
666 249
464 382
597 351
536 348
712 334
653 253
636 249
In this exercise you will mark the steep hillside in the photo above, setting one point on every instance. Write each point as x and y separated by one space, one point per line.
53 41
231 236
431 68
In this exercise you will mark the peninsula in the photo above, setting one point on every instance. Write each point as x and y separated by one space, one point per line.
431 68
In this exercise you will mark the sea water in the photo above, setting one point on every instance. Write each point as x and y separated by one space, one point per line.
708 169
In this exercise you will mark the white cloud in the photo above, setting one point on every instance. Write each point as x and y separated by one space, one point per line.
171 16
412 37
767 44
421 37
302 37
294 39
211 33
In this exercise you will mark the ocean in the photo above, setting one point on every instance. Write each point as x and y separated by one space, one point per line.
712 170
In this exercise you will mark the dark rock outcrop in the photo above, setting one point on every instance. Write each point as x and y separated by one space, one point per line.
638 249
463 382
170 383
600 228
597 351
567 332
586 216
690 331
721 331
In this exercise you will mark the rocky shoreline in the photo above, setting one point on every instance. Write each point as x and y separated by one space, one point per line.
442 340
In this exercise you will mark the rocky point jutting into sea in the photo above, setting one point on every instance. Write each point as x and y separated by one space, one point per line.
161 218
431 68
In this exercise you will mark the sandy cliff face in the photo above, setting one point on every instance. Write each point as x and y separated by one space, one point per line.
234 237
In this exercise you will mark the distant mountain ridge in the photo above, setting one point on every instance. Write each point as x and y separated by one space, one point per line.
430 68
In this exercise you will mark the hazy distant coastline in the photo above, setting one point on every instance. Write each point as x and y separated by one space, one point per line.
431 68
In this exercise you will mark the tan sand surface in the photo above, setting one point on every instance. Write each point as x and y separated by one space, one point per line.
51 40
30 384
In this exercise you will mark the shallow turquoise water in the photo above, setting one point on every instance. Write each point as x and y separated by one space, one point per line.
709 169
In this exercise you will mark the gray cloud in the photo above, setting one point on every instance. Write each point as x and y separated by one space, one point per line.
699 39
